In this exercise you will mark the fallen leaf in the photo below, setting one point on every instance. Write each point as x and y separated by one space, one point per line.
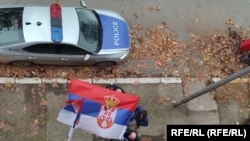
159 64
151 8
136 83
205 58
17 89
196 20
140 27
161 100
2 125
167 99
9 112
44 102
229 21
158 8
36 121
55 85
8 84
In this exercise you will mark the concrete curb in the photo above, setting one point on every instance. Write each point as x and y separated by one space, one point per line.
38 80
167 80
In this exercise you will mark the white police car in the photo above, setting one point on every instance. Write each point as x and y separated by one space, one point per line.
57 35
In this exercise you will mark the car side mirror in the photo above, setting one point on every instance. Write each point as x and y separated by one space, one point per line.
83 4
86 57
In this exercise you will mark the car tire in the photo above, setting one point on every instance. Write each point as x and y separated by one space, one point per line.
21 63
105 64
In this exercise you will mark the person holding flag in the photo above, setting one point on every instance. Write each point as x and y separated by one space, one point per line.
140 117
129 135
115 88
97 110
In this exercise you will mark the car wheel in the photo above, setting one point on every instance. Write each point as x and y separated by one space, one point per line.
105 64
21 63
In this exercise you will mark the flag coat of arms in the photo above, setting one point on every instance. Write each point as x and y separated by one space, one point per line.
98 110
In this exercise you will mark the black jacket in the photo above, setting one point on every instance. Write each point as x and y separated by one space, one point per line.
128 132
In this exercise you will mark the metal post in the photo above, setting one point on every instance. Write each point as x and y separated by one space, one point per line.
213 86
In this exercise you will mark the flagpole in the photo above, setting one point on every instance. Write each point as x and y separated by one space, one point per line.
78 115
71 131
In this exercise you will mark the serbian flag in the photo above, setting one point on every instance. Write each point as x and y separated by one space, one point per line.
97 110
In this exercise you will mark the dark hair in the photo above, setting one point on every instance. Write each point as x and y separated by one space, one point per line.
144 113
114 87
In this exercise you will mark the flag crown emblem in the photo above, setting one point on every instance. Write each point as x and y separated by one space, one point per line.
111 101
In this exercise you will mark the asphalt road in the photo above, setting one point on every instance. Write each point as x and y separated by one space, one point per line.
183 17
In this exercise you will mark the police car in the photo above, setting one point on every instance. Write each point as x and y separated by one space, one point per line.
58 35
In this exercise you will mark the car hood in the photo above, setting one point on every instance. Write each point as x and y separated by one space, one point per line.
116 33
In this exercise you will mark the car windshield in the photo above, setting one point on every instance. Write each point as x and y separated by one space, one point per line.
90 30
11 29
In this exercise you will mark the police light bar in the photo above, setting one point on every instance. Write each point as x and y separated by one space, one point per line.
56 22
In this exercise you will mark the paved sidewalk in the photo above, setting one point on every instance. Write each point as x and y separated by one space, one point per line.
31 112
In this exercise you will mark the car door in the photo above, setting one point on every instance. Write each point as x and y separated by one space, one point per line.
42 54
72 55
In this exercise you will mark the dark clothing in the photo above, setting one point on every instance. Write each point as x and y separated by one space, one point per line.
128 132
114 87
140 121
245 59
126 136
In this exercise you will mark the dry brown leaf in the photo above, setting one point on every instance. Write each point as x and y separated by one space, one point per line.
8 84
161 100
17 89
9 112
140 27
55 85
36 121
196 20
160 26
44 102
158 7
159 64
167 99
151 8
229 21
205 58
2 125
25 109
136 83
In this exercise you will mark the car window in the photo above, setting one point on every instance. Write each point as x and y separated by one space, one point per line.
71 50
11 25
42 49
90 30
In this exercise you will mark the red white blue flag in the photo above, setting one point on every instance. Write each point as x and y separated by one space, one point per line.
97 110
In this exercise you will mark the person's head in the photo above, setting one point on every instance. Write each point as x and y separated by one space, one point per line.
119 90
115 88
132 136
144 113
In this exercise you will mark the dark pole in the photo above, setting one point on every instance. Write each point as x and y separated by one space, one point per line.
213 86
